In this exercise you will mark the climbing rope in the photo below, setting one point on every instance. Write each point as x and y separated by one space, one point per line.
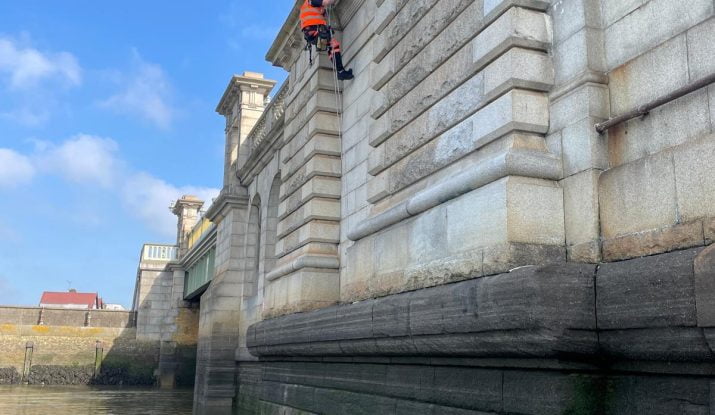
336 82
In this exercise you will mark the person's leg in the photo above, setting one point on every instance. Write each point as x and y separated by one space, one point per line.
336 57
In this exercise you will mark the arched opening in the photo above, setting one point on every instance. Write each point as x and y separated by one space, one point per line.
271 233
253 246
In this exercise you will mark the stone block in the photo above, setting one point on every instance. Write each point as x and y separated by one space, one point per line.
465 230
660 395
544 393
650 25
647 292
709 231
313 231
472 388
583 148
535 211
390 256
359 271
639 196
678 122
517 110
319 165
695 181
641 80
581 207
319 144
587 252
378 187
571 16
504 257
614 10
589 100
318 186
427 239
652 242
518 67
534 28
314 209
701 49
704 270
581 52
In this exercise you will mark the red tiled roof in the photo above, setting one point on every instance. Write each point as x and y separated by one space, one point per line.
88 299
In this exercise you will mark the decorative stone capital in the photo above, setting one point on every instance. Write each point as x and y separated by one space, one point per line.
248 89
230 197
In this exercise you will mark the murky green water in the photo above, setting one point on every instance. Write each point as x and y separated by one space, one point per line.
59 400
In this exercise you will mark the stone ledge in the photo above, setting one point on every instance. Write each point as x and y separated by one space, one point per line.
642 309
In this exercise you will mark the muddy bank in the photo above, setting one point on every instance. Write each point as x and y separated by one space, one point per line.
78 375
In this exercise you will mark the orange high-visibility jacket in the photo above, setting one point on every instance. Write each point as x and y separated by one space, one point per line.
311 16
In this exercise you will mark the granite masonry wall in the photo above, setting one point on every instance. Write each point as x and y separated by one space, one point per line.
449 234
64 347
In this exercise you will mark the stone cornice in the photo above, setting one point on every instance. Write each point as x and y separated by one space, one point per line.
232 92
230 197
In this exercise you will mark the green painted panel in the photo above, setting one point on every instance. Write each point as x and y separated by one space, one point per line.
200 274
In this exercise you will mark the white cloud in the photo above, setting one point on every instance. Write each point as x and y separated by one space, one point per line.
27 67
95 161
27 116
146 93
15 168
85 159
148 198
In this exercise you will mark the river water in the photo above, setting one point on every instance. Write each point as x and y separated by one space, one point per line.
63 400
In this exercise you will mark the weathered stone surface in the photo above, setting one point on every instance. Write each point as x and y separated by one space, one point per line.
581 207
704 266
638 196
678 122
649 25
647 292
695 186
653 242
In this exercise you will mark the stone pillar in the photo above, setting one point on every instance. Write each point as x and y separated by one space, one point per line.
187 209
219 322
579 100
177 354
242 104
219 318
306 275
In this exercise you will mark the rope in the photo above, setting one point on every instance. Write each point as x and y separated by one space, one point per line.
336 83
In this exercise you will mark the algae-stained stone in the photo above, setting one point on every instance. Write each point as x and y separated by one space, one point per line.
705 287
655 291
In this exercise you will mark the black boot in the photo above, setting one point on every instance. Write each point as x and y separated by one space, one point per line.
345 75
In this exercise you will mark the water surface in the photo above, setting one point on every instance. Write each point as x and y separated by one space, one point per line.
73 400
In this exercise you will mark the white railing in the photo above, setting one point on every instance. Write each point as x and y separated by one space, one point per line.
166 253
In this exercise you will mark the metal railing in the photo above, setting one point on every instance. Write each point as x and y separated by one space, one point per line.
648 107
199 231
156 252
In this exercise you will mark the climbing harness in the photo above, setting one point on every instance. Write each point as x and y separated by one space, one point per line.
322 39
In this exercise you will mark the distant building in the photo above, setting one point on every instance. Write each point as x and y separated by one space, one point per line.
71 299
114 307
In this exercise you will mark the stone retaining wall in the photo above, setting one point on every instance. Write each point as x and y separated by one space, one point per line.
632 337
64 348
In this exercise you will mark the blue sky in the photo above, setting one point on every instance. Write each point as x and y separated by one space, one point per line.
106 116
